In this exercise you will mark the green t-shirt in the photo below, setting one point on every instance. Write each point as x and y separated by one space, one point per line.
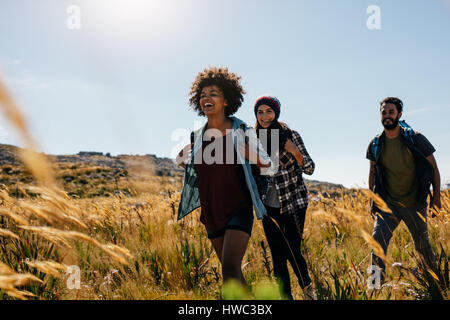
399 173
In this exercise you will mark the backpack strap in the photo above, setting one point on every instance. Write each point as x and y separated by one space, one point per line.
407 131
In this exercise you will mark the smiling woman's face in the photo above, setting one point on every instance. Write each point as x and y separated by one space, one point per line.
212 100
265 116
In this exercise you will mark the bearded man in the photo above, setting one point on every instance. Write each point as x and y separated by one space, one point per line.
402 169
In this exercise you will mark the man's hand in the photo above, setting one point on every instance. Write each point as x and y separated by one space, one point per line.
436 201
435 204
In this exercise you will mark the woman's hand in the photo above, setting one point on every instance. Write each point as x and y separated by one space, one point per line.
290 146
292 149
251 155
183 156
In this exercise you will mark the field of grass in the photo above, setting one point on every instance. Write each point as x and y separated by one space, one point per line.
134 248
131 246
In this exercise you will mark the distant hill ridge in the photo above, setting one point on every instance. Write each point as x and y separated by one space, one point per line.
162 166
117 166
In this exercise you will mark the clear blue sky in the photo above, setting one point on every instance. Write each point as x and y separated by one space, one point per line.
120 83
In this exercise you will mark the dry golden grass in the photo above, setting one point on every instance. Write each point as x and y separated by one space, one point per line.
53 208
170 259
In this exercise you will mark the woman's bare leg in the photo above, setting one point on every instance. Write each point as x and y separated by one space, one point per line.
218 245
233 250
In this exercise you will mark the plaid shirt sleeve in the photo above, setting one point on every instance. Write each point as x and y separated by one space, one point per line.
308 164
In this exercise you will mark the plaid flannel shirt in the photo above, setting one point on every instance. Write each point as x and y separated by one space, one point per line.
292 192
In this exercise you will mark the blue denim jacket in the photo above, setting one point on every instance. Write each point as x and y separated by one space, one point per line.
190 198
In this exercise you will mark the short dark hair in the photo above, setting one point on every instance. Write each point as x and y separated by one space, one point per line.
227 81
395 101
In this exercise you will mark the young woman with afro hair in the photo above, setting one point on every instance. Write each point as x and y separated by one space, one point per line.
218 176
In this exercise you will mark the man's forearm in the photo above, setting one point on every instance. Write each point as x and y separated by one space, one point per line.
371 182
436 183
436 177
372 176
371 186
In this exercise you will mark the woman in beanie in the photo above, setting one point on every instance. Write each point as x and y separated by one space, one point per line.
218 175
286 199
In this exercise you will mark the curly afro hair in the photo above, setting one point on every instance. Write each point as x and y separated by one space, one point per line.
227 81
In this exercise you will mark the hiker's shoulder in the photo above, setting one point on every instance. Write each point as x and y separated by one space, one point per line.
197 131
239 124
423 143
295 135
291 131
376 138
284 126
416 135
373 144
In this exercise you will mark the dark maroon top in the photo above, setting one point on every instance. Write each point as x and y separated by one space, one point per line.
222 187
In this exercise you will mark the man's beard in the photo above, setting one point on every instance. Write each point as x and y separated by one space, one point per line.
391 126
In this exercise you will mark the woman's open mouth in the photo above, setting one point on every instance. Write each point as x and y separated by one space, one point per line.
208 106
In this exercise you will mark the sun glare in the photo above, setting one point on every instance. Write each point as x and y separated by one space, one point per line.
133 17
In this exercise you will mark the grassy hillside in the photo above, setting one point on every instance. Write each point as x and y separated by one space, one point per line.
93 174
131 246
86 174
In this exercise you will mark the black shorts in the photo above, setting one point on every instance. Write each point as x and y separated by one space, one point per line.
242 220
